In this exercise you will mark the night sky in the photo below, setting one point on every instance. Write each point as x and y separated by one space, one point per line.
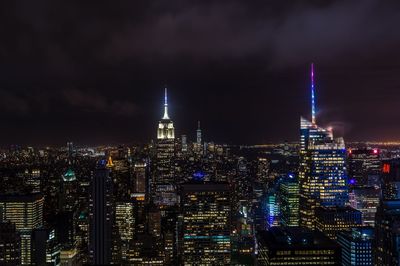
94 73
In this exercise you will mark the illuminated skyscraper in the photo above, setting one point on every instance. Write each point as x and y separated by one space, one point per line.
391 179
165 126
322 173
289 201
125 222
364 166
26 212
164 179
184 144
206 232
272 209
197 146
198 133
101 214
140 184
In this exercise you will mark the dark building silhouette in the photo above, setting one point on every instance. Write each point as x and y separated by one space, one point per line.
387 218
297 246
10 244
101 215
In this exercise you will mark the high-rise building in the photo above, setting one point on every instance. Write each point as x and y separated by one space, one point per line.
262 169
387 233
184 143
33 180
46 247
164 186
387 226
198 134
10 244
70 148
101 214
272 209
322 173
140 184
296 246
26 212
356 246
364 166
69 189
391 179
366 200
198 147
146 250
288 195
332 220
206 222
125 224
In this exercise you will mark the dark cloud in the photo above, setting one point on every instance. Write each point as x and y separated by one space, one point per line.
13 103
249 54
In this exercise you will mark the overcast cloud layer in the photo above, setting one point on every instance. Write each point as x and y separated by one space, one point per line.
93 72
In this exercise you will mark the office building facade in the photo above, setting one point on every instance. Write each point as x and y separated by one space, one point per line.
206 219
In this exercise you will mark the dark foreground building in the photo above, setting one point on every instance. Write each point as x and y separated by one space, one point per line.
387 219
10 244
356 246
296 246
332 220
101 215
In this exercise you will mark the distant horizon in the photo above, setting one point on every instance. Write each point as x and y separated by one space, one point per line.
133 143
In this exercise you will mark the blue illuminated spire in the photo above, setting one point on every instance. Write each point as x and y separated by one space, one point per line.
312 96
165 105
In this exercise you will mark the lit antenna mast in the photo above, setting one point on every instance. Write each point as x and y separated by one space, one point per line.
312 95
165 105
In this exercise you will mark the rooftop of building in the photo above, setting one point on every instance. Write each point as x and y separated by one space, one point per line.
364 233
391 206
336 209
69 175
295 238
198 185
20 197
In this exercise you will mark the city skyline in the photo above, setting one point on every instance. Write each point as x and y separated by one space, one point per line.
200 133
241 68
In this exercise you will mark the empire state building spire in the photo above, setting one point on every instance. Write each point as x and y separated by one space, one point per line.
166 105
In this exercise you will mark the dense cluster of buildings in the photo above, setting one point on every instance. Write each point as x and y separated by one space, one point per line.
180 202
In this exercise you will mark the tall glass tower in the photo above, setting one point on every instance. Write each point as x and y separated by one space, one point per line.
322 173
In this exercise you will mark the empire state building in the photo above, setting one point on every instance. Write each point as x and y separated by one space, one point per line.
164 175
165 125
